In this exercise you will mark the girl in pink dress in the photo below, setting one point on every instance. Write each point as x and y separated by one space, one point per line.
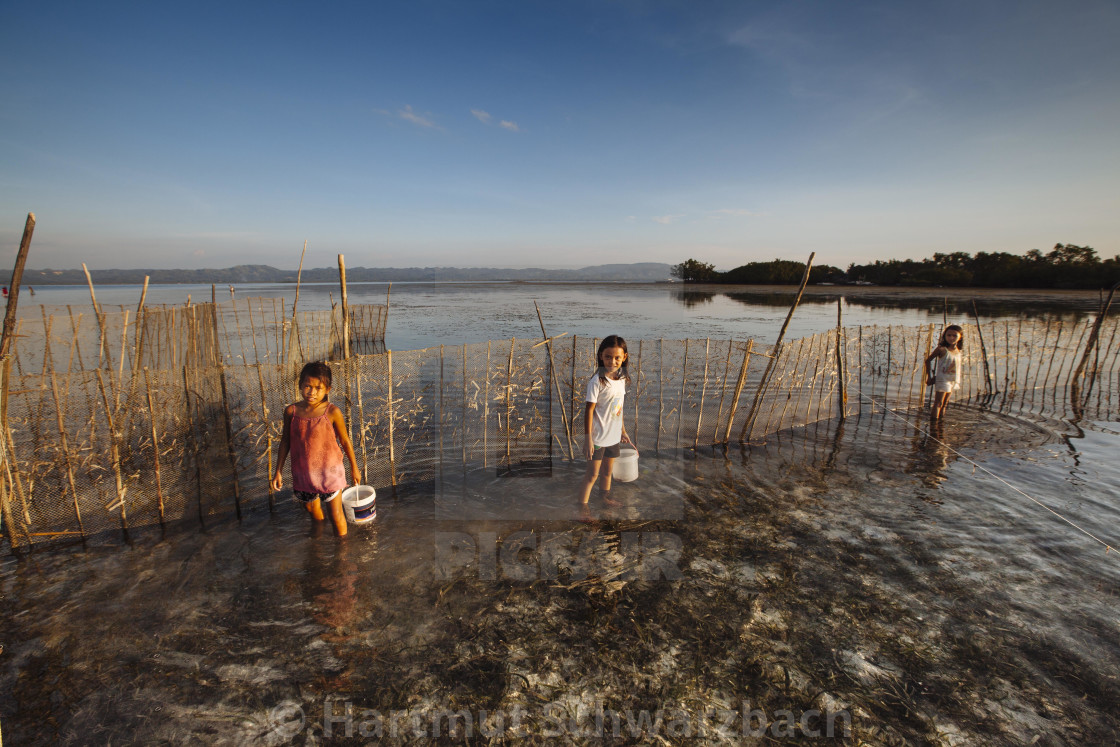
313 430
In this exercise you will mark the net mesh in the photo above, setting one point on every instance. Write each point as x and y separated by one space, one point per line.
94 445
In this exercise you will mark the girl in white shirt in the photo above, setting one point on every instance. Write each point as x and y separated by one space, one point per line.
945 375
603 426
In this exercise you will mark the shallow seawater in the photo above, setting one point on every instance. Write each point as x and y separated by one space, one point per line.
867 579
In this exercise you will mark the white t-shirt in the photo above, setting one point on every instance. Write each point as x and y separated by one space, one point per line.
947 368
606 419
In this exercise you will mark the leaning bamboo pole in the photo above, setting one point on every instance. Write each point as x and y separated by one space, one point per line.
556 385
1094 334
509 403
703 391
722 393
680 399
392 452
293 335
983 349
103 355
231 452
194 442
486 408
13 287
637 391
346 310
660 391
842 398
745 433
738 389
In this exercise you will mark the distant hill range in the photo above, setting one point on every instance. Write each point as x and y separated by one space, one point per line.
637 272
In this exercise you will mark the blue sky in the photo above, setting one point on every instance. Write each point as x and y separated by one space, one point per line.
556 134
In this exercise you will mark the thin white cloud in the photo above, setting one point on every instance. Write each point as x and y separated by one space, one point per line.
481 116
511 126
666 219
736 212
410 116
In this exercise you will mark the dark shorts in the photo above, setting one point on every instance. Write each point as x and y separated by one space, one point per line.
610 452
308 497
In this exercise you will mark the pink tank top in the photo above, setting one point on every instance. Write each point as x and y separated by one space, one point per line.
316 455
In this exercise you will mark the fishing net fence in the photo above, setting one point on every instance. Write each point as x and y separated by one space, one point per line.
90 452
241 332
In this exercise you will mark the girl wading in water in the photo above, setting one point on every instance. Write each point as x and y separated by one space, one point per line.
603 426
945 374
313 430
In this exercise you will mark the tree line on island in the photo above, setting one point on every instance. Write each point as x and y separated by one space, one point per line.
1065 266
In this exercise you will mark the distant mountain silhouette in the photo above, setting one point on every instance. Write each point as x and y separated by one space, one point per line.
636 272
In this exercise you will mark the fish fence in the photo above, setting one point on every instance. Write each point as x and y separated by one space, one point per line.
101 449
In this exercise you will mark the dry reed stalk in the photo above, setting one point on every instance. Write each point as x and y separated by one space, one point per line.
293 335
155 446
778 380
137 360
464 411
509 402
120 373
1072 353
194 443
794 362
859 359
486 409
722 393
114 453
572 388
801 379
268 432
887 375
231 452
808 385
556 385
738 387
392 451
925 369
703 391
103 353
439 422
65 451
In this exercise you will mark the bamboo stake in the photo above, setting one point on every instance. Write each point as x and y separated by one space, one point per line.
114 453
1094 334
362 423
722 392
738 388
556 384
231 452
660 391
703 391
392 452
925 368
983 350
745 434
66 456
842 400
486 409
860 360
14 285
346 312
103 355
887 377
637 389
572 398
292 334
268 432
140 327
439 429
464 412
155 446
509 403
194 444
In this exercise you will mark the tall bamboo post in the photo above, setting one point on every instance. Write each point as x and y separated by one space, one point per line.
362 423
842 397
139 334
439 426
293 335
660 391
556 385
392 451
66 456
114 453
155 446
925 368
887 375
486 411
346 310
637 390
738 388
572 390
13 288
268 432
983 350
744 434
463 414
1094 334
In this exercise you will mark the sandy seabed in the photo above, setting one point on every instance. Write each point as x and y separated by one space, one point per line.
891 594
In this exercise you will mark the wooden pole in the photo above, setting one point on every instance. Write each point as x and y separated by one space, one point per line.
13 287
194 444
1094 334
983 350
486 411
346 309
703 391
509 403
231 452
637 389
660 391
362 425
842 398
556 385
268 431
103 355
137 362
722 392
745 434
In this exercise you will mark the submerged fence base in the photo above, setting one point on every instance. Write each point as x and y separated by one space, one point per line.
198 443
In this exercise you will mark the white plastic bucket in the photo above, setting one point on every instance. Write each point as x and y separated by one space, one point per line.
360 504
626 466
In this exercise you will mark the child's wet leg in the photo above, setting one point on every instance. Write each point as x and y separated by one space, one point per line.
315 508
338 515
605 482
589 476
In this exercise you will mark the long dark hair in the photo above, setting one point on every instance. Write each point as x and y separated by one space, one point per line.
960 339
612 341
317 370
